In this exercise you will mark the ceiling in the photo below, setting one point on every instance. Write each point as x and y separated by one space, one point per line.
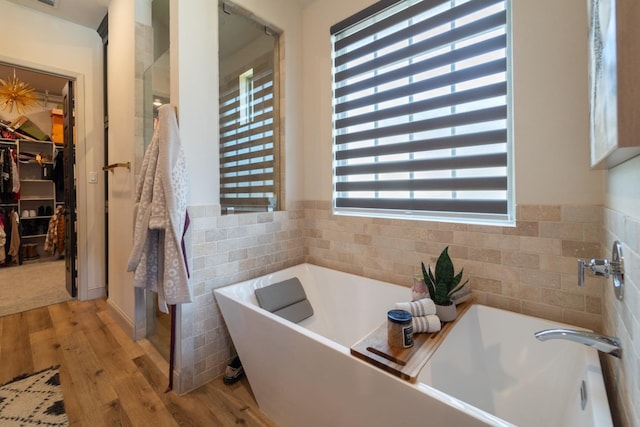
39 81
88 13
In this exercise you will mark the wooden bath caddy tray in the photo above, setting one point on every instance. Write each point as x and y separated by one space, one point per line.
403 362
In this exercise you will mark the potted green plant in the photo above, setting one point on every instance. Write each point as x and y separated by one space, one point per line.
442 284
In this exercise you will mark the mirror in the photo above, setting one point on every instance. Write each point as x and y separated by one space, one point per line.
249 112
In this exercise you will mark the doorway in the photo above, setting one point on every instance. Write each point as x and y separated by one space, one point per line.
36 262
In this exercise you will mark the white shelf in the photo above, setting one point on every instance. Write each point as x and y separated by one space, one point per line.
34 190
26 199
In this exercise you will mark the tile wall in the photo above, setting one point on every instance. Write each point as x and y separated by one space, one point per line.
530 268
622 319
226 250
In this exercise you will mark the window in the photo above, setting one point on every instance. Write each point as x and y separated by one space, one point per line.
421 119
245 83
248 105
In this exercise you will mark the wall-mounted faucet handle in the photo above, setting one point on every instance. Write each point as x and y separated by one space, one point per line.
606 268
598 267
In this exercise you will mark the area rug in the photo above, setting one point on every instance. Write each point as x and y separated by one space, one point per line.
33 400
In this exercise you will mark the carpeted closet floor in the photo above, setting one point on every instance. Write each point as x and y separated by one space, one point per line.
32 285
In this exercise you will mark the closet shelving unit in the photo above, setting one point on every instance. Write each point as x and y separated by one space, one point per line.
37 201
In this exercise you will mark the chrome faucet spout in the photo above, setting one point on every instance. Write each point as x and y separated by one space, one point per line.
603 343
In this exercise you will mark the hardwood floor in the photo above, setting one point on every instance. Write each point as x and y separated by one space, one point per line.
109 380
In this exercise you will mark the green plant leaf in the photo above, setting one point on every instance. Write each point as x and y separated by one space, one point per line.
458 288
427 280
443 282
444 268
431 277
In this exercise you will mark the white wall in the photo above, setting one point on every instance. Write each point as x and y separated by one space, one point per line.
194 90
42 42
622 318
550 101
121 87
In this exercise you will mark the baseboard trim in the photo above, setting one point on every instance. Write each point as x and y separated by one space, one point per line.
121 320
96 293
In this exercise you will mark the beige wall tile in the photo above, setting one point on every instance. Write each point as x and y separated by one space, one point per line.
486 285
582 319
539 212
503 242
563 299
562 230
576 249
582 214
503 273
504 302
529 293
522 228
518 259
593 304
469 238
543 279
540 245
542 310
558 264
492 256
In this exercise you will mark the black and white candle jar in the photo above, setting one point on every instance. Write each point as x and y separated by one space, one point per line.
399 328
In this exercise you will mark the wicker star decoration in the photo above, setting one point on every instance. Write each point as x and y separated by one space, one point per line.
16 93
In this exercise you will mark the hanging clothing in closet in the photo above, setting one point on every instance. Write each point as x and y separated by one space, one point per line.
10 241
15 241
158 257
54 241
58 174
9 179
3 241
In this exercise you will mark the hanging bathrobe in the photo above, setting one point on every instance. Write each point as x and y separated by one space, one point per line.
158 259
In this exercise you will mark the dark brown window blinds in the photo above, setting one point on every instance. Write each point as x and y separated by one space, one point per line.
421 111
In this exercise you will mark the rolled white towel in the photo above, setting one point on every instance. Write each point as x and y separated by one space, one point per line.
430 323
421 307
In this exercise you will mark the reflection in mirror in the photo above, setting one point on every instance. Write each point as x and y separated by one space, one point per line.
156 93
249 111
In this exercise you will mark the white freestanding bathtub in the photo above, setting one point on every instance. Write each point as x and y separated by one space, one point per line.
490 370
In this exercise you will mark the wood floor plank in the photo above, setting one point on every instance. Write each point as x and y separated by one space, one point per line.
38 319
73 402
130 346
184 409
16 351
115 362
141 402
87 373
45 349
116 416
109 380
228 401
